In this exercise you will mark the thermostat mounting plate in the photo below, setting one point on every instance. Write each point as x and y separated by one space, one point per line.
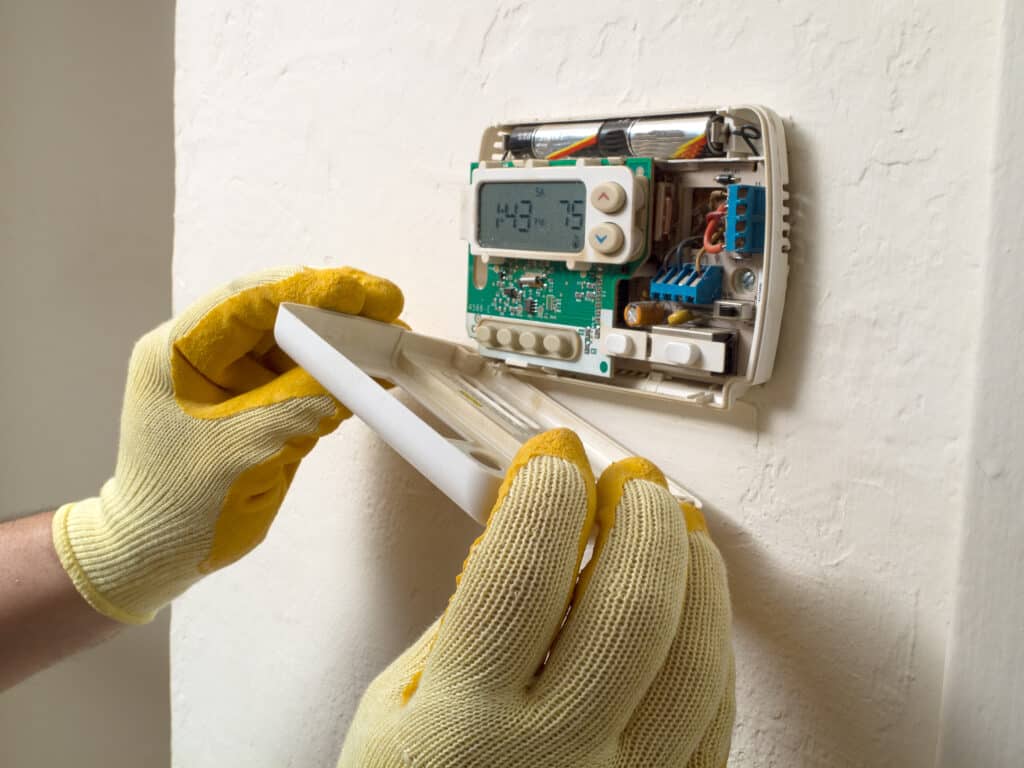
492 411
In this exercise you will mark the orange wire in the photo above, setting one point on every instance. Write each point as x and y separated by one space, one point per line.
576 146
691 149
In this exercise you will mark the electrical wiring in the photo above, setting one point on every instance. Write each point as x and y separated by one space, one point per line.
576 146
675 252
691 149
696 260
714 224
748 132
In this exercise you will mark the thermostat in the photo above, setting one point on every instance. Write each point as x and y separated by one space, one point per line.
644 253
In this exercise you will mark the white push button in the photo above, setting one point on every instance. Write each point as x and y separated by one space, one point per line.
484 334
682 353
557 345
608 197
507 337
619 344
606 238
529 340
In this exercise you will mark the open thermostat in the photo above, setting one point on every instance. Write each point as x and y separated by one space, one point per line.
646 252
645 255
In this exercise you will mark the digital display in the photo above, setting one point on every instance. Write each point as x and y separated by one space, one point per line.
531 216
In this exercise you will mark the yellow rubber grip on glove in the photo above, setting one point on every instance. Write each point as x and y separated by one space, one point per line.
216 419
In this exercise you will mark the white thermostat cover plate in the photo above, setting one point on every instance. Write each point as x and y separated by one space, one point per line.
490 409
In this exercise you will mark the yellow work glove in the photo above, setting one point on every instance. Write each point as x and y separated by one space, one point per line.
215 421
640 674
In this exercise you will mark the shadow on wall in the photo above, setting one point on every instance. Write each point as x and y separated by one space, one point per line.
831 656
828 647
792 361
412 552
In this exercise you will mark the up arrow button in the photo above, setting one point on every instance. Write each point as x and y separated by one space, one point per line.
608 197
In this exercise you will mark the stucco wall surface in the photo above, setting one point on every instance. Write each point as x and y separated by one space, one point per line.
331 133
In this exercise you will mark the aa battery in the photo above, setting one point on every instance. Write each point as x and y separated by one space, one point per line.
550 140
663 138
635 137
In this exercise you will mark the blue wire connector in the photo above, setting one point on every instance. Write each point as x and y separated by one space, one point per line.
744 219
683 283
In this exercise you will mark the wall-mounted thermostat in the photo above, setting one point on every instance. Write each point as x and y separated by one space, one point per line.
645 255
643 252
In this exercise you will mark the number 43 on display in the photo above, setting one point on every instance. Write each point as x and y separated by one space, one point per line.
519 215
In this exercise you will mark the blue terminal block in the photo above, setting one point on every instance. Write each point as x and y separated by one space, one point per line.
683 283
744 219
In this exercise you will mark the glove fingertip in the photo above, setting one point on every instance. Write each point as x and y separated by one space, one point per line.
695 521
612 483
350 290
633 468
384 300
337 289
561 443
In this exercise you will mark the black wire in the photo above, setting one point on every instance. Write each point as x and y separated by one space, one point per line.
748 132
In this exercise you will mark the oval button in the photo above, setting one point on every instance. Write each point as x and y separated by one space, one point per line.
682 353
608 197
606 238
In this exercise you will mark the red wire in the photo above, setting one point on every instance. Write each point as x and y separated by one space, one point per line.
714 219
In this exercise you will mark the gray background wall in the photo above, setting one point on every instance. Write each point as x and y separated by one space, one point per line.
86 205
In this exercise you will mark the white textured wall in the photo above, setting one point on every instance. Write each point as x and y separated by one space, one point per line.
86 198
983 702
331 133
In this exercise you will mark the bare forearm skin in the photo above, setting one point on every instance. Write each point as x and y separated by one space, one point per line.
42 616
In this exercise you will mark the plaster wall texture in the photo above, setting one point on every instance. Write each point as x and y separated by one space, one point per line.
86 199
983 694
326 133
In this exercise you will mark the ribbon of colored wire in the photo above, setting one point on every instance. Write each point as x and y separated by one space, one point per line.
576 146
691 149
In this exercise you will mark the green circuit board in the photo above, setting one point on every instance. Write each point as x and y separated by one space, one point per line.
548 291
553 294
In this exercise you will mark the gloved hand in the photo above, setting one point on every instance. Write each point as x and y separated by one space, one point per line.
215 421
639 675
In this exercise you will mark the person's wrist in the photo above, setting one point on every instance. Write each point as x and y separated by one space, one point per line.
117 556
88 565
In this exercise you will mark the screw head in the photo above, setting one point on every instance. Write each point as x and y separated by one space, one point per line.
746 280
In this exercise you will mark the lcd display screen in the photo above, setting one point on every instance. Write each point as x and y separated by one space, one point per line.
532 216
